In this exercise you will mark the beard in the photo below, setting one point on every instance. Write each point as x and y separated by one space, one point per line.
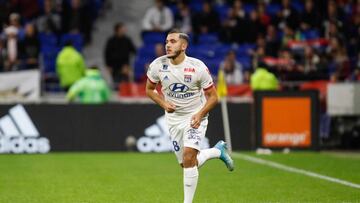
174 55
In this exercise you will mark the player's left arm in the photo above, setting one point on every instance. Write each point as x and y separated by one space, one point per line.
212 100
74 90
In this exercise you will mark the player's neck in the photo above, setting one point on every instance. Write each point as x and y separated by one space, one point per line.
179 59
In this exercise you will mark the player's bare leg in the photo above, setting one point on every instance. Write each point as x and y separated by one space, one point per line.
191 173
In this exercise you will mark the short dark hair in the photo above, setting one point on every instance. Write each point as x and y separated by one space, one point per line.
93 67
182 35
117 26
69 42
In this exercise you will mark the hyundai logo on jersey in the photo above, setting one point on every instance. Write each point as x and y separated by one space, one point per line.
178 87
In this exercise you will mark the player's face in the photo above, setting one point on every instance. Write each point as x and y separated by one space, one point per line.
174 45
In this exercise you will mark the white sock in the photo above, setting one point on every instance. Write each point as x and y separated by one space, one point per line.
207 154
191 176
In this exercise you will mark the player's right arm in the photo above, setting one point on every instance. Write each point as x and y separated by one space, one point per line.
152 93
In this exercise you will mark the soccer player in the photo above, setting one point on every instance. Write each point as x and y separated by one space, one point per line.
189 95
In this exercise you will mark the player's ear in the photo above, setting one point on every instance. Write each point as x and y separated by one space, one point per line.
184 45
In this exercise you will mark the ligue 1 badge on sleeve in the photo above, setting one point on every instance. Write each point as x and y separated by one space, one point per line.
187 78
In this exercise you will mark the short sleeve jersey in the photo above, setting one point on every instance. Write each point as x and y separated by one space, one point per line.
182 84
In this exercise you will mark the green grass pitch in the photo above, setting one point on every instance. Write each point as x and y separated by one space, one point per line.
141 178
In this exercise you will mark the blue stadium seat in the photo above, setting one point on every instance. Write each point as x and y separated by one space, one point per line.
139 66
298 6
206 51
76 39
311 34
48 39
210 38
192 50
223 49
195 6
49 56
243 49
49 65
146 51
154 37
273 8
41 4
222 10
245 61
249 7
174 9
213 65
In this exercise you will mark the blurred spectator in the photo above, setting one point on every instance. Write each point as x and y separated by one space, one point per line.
28 9
287 67
229 32
12 48
2 56
262 79
239 9
311 60
311 65
333 31
334 13
158 18
259 53
353 34
232 69
338 64
183 19
4 13
310 18
50 22
264 18
76 19
355 76
287 15
254 27
91 89
273 44
14 21
118 50
289 34
30 47
70 66
207 20
333 19
241 23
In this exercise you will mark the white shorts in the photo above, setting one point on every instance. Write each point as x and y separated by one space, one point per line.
183 135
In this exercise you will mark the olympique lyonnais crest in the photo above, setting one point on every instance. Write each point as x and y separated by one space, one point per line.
187 78
165 67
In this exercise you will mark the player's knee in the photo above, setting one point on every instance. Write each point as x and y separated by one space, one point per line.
189 160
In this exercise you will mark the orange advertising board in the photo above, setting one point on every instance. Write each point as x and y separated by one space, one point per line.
286 122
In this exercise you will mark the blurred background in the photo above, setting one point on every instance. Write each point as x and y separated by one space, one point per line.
291 68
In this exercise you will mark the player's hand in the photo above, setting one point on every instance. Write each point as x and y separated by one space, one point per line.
196 120
169 107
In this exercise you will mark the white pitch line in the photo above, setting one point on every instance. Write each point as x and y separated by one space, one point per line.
295 170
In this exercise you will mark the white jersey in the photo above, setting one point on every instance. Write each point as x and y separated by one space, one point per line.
182 85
